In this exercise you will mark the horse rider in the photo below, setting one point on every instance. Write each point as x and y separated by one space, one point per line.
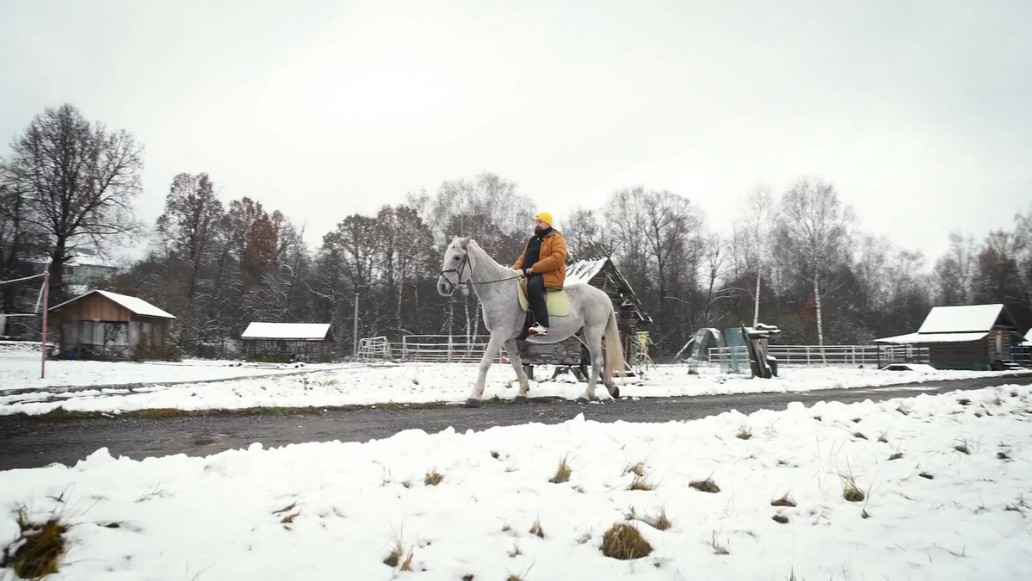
546 255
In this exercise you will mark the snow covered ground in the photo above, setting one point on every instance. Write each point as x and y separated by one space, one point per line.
947 484
362 384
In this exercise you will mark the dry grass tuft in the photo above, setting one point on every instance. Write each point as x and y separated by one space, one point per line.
623 541
718 549
744 433
536 530
562 473
850 491
705 485
638 469
397 557
658 521
640 483
896 456
780 518
515 552
433 478
288 513
859 435
40 547
785 500
963 447
926 476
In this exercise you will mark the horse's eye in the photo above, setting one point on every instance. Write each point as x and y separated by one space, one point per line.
455 257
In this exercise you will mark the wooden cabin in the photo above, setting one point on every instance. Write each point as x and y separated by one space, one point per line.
977 337
286 342
106 325
603 274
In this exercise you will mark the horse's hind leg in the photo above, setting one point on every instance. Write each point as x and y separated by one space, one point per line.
517 364
490 352
593 339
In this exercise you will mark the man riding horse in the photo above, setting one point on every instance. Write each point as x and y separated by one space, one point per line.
546 255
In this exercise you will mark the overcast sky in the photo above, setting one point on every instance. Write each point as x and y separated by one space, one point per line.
918 112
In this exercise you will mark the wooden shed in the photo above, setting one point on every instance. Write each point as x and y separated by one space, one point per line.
977 337
284 342
106 325
603 274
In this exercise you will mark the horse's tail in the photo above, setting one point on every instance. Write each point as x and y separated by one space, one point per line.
614 363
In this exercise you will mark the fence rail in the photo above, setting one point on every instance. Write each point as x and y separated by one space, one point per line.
374 349
853 355
443 348
460 349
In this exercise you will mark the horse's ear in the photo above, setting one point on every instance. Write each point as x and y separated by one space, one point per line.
465 241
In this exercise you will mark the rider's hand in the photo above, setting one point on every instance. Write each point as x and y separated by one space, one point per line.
517 272
530 271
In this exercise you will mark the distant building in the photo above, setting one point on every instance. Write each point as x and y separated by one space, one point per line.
106 325
975 337
283 342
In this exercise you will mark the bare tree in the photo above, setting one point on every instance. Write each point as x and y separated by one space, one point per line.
79 180
186 228
814 223
954 272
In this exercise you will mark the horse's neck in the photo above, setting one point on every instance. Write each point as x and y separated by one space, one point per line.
484 267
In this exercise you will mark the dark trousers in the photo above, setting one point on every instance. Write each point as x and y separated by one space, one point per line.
536 298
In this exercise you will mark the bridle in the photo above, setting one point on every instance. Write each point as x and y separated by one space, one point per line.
458 275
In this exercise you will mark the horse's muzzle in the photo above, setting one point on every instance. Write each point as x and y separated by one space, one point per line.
445 287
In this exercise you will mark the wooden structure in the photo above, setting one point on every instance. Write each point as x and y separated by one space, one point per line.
977 337
285 342
106 325
603 274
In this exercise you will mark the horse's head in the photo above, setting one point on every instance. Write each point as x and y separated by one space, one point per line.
455 268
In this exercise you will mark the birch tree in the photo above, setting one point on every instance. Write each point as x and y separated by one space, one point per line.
814 223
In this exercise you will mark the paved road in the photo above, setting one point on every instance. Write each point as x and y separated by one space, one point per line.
27 442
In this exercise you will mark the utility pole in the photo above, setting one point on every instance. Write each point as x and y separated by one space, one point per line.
355 332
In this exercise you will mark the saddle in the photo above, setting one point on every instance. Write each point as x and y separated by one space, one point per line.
557 301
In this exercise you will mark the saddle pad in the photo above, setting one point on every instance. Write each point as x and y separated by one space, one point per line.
557 301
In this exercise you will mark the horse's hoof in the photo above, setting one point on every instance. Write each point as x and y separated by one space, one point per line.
615 393
522 399
582 399
472 403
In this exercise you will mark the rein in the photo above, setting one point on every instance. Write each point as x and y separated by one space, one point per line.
458 274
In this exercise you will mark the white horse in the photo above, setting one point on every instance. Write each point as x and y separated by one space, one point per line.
496 287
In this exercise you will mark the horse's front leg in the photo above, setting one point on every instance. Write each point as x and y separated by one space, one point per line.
517 364
493 345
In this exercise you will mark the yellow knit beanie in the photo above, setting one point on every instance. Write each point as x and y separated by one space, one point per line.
544 217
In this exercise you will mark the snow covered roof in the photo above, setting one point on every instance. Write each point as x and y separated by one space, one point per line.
914 338
954 325
295 331
582 271
961 319
137 306
1028 338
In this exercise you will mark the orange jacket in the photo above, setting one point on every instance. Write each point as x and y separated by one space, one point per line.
551 261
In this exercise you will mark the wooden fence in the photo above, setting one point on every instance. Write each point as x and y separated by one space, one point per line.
460 349
818 355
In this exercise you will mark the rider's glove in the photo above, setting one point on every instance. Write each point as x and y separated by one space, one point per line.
517 272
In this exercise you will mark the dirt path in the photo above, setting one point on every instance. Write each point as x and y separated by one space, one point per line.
27 441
